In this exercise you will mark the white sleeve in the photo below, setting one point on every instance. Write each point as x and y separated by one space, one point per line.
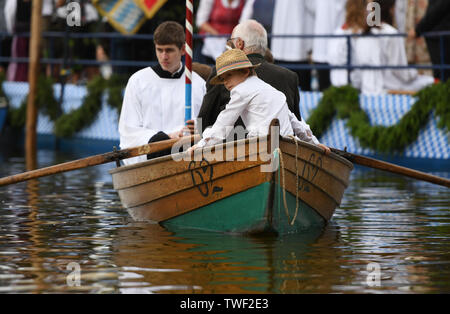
337 55
397 56
10 14
131 121
225 121
302 130
203 12
198 92
368 52
247 11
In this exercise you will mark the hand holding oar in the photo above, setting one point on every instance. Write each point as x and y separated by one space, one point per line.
382 165
97 160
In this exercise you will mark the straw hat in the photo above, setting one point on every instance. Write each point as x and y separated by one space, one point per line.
230 60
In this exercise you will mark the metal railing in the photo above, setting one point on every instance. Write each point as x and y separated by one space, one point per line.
67 62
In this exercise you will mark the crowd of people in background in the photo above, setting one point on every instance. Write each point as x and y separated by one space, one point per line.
216 19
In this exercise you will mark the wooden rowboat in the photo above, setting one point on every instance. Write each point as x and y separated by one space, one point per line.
231 193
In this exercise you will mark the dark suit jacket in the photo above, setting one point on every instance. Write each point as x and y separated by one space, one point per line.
217 96
437 17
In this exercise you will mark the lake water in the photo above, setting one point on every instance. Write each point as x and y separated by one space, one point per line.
390 235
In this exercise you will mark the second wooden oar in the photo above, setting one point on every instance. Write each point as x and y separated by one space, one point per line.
386 166
97 160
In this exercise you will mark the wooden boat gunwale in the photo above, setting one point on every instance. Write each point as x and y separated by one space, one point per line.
319 150
332 175
165 158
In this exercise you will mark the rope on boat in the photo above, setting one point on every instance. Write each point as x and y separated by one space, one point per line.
283 184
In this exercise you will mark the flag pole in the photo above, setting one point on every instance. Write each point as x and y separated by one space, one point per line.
188 58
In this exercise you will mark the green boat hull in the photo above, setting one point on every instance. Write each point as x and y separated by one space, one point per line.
256 210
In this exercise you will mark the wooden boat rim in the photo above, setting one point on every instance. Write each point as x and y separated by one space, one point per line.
168 157
319 150
331 174
243 141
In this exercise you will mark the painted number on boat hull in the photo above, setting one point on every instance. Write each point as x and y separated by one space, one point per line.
309 172
202 177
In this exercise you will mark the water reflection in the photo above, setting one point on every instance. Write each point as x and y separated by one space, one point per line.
158 260
46 224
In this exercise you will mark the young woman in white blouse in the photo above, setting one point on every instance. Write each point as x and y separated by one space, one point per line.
373 51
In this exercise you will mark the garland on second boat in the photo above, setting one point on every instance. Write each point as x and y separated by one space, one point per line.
344 102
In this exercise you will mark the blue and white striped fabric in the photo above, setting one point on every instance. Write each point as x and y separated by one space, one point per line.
125 15
385 110
432 142
104 128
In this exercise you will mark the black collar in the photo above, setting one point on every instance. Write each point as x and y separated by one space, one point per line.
256 58
166 74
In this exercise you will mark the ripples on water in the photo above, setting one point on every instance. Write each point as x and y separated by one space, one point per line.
76 217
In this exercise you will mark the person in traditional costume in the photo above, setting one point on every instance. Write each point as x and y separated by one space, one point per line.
373 51
364 51
217 17
393 52
154 100
255 101
250 37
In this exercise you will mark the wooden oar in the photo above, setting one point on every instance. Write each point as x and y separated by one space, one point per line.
97 160
386 166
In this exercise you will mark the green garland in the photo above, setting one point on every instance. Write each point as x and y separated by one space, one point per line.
45 102
76 120
344 102
68 124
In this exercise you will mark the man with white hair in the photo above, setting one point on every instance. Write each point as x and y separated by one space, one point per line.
250 37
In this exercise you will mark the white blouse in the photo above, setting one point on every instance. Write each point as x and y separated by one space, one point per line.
394 53
329 15
375 51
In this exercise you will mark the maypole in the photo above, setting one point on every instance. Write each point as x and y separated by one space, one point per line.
188 58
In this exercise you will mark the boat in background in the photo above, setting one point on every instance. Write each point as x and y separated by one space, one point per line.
431 150
238 195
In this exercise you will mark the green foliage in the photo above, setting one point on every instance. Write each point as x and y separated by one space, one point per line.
115 87
344 102
68 124
45 102
74 121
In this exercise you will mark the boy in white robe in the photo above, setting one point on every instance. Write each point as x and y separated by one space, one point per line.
255 101
154 100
